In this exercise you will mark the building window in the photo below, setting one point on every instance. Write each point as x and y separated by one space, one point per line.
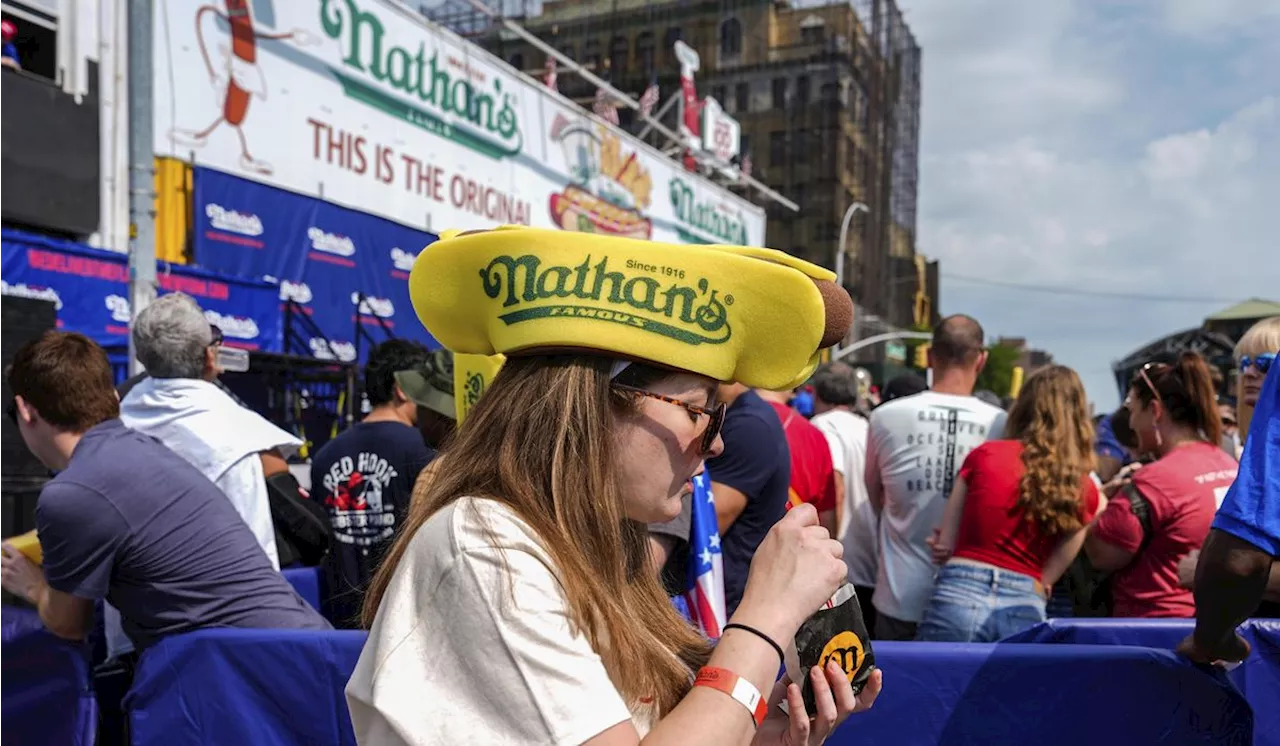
731 38
777 148
812 30
742 98
669 39
618 54
644 51
591 54
802 90
779 93
830 93
798 195
800 146
567 50
717 92
517 61
744 145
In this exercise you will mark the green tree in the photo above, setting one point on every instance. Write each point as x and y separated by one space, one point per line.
997 377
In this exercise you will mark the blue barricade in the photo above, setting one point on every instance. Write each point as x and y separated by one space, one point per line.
1258 678
47 692
286 687
244 686
306 581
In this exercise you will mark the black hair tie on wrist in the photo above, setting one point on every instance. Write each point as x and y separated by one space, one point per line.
776 647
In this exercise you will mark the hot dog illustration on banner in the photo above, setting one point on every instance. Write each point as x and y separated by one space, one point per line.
608 189
690 106
238 77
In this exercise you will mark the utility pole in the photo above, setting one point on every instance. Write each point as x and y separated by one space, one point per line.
142 206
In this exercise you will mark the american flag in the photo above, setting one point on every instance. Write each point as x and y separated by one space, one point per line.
605 107
704 591
549 77
649 99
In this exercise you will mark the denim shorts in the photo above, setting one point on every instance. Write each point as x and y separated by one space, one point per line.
980 603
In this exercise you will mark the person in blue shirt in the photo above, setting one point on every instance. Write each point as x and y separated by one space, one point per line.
1237 560
8 51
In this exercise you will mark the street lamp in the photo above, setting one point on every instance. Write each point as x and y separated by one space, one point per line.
844 234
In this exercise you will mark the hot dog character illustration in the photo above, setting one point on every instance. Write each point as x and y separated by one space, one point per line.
238 76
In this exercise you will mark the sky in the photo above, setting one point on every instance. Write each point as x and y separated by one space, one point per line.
1111 146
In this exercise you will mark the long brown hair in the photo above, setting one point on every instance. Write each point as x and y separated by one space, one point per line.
1051 418
1186 391
541 441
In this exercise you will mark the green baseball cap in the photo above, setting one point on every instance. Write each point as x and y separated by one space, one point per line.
431 384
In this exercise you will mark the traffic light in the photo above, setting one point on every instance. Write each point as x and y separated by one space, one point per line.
922 356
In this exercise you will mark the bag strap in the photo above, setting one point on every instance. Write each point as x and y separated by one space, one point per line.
1141 509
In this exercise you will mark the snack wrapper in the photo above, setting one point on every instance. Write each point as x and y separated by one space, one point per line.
836 631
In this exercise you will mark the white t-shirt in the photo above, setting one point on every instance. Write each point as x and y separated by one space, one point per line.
473 644
916 446
847 435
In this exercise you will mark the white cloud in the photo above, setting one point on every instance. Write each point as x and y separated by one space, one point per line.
1215 18
1057 152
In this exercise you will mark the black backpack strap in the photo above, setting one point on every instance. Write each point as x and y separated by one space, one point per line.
1141 509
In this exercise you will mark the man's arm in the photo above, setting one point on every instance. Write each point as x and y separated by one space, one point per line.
871 474
729 505
1230 580
63 614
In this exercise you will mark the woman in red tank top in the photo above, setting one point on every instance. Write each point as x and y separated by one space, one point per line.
1165 511
1015 519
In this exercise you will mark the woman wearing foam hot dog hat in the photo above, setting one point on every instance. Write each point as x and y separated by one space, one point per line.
518 604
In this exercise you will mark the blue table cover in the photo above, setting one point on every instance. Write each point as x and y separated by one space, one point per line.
306 581
47 693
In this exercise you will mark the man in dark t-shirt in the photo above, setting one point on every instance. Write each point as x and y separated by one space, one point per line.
365 476
128 520
750 481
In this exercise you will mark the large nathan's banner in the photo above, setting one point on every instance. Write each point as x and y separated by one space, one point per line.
366 104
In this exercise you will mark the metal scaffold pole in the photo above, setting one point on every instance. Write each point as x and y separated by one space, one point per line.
142 246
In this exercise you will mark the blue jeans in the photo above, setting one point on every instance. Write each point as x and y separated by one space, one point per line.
980 604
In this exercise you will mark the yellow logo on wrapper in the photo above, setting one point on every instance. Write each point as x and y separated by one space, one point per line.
847 651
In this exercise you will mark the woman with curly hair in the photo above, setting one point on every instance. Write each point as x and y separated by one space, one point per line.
1016 517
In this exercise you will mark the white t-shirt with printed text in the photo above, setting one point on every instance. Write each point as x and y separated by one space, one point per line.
473 644
916 445
847 435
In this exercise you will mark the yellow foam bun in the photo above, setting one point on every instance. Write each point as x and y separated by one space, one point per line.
731 313
472 375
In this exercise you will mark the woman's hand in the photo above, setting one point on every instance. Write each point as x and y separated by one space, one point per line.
835 701
795 570
941 552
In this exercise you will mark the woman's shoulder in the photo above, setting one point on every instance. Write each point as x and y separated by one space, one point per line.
470 524
1003 448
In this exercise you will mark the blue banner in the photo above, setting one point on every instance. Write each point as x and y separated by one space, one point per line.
90 289
346 271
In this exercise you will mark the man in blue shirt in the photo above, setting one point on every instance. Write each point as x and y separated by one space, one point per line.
126 519
1237 559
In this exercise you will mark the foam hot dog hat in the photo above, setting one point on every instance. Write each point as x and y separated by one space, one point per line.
732 313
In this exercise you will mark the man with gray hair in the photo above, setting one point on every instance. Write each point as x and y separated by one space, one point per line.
836 392
178 404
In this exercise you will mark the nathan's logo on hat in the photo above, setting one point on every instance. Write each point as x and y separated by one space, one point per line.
474 388
693 314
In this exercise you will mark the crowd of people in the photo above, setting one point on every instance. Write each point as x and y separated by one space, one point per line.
566 524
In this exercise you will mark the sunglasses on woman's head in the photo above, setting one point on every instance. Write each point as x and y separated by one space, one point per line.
1261 362
1156 369
715 413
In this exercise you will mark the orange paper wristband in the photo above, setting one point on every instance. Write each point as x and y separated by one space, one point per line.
746 693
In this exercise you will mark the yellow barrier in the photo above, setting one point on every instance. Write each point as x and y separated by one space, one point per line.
174 195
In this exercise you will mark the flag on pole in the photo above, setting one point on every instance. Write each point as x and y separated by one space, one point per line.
703 599
549 77
649 99
745 166
605 107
